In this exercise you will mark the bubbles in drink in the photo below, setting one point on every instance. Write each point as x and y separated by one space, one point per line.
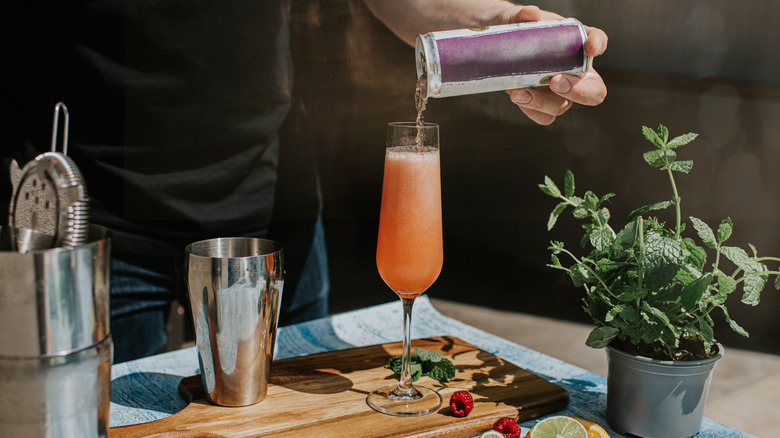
420 102
412 153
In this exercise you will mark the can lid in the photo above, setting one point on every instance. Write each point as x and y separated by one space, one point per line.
428 63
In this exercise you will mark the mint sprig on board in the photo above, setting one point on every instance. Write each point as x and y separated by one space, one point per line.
649 287
425 363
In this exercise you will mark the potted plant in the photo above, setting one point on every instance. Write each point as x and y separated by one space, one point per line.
650 290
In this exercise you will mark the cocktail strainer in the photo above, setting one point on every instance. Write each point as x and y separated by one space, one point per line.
49 199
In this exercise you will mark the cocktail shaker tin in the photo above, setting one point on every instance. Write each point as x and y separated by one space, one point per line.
55 340
521 55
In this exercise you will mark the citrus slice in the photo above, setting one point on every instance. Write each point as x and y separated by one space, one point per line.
594 430
559 426
491 434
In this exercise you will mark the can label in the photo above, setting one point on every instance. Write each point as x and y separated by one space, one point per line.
469 61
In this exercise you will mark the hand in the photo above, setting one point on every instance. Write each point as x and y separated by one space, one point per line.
544 104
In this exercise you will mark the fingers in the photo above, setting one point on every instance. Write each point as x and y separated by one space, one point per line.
538 117
596 44
540 99
543 105
588 90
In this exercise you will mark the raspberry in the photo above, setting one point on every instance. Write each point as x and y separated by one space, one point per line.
507 427
461 403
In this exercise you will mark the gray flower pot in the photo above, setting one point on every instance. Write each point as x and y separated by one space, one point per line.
655 398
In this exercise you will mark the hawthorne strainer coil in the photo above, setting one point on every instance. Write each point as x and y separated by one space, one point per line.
49 204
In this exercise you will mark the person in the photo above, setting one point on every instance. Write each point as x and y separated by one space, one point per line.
176 109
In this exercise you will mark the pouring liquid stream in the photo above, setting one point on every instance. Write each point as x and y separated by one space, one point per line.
420 102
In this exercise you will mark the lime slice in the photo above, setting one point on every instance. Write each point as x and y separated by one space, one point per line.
491 434
559 427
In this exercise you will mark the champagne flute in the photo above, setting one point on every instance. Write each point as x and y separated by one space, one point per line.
409 253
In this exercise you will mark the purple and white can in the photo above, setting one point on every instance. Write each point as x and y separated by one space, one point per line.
470 61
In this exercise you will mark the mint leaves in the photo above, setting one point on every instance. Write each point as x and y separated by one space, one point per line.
426 363
647 284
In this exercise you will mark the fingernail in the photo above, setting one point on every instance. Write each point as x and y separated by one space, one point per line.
521 97
561 85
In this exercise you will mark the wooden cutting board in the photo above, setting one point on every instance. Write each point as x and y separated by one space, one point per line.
323 395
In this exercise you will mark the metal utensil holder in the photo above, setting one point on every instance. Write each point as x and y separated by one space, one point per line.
55 340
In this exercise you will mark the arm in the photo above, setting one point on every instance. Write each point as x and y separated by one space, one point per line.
408 18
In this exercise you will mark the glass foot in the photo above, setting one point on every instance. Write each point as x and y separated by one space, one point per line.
388 400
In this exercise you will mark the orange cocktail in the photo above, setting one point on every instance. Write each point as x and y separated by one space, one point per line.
409 251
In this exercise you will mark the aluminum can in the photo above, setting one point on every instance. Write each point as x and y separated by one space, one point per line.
493 58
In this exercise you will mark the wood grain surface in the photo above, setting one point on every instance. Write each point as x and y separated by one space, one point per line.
323 395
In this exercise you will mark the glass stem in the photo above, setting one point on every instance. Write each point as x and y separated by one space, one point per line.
405 387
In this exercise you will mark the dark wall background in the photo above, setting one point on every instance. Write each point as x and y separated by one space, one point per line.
702 66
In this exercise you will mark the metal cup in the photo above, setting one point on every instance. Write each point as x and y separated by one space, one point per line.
55 341
235 290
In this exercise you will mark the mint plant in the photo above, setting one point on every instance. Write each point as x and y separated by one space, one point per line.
650 289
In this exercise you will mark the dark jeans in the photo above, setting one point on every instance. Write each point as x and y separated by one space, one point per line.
143 289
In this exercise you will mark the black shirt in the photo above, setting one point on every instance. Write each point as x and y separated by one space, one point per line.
175 112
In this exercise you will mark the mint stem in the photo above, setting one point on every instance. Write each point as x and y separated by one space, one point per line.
577 261
594 214
741 279
641 231
676 199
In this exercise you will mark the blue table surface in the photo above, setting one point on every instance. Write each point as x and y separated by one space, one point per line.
147 389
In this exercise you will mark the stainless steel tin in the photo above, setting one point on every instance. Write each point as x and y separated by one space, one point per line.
235 290
60 396
55 301
55 343
470 61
